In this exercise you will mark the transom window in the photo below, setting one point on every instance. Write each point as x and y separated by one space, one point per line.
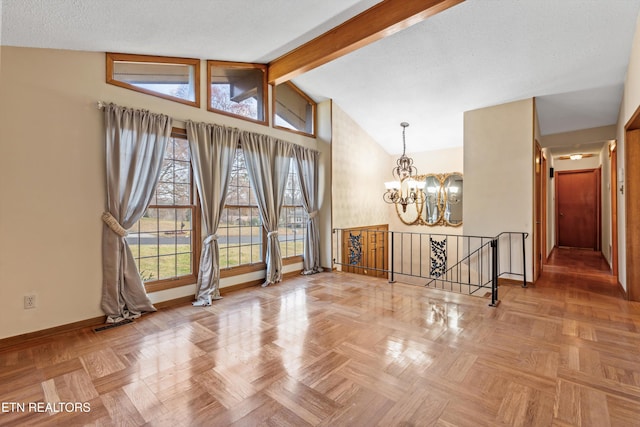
162 241
176 79
293 109
237 89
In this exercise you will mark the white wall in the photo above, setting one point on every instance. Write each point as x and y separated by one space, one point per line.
499 170
52 182
551 203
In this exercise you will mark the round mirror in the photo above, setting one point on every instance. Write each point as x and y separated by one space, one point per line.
409 212
432 211
452 187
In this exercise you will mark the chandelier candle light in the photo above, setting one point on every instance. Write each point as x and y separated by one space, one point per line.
405 190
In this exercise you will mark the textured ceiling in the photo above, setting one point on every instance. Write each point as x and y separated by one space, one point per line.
571 54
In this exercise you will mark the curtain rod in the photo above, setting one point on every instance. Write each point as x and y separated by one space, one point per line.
101 105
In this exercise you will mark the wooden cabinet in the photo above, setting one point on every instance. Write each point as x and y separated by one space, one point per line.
365 250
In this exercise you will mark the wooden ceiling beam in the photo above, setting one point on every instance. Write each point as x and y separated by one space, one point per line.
382 20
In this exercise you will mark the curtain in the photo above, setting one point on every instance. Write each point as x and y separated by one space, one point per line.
307 163
213 149
135 145
268 160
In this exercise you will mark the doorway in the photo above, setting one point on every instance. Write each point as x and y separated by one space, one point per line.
578 209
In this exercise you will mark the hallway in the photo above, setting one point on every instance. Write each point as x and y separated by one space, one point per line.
581 269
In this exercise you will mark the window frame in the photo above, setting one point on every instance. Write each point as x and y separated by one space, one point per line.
241 65
196 234
125 57
314 107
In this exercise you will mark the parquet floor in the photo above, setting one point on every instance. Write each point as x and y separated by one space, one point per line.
336 349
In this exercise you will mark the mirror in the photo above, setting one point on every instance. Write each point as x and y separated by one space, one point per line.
411 213
452 188
431 210
440 202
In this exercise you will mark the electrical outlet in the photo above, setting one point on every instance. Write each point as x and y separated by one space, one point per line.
29 301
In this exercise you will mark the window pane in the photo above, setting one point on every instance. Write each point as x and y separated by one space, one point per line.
162 237
293 217
172 78
238 89
294 110
240 227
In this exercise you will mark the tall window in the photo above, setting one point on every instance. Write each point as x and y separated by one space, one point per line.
162 241
237 89
293 217
240 231
176 79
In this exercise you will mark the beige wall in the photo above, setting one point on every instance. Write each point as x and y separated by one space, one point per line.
52 182
498 171
358 167
323 141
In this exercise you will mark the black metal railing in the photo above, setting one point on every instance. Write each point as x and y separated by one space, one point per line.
458 263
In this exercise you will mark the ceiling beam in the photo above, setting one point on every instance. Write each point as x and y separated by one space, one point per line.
382 20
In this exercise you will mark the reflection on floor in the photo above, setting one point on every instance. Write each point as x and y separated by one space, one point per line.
578 260
339 349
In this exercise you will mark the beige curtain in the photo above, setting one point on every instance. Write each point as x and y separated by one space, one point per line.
213 149
135 145
307 163
268 161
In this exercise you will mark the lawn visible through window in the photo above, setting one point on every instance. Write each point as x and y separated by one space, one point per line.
162 241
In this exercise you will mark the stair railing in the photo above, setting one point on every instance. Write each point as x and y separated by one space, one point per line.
457 263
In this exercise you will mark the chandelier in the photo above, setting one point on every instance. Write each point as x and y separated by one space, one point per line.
405 190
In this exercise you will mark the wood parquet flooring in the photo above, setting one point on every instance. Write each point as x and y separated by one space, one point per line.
338 349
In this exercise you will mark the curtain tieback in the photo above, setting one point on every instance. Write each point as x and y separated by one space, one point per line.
313 214
114 225
210 238
272 233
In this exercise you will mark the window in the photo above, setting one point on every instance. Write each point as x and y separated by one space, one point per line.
162 242
176 79
293 217
237 89
293 110
240 231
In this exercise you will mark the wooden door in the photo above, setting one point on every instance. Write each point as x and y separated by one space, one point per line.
577 205
365 250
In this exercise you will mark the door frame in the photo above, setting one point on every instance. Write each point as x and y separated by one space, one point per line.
613 164
630 185
537 216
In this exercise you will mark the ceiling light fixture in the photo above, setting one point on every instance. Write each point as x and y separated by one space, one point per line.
404 190
575 156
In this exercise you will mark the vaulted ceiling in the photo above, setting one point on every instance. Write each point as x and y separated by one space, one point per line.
571 55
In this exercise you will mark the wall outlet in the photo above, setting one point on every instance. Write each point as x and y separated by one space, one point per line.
29 301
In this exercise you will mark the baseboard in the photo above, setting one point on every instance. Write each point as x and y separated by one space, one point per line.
507 281
29 336
97 321
623 291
